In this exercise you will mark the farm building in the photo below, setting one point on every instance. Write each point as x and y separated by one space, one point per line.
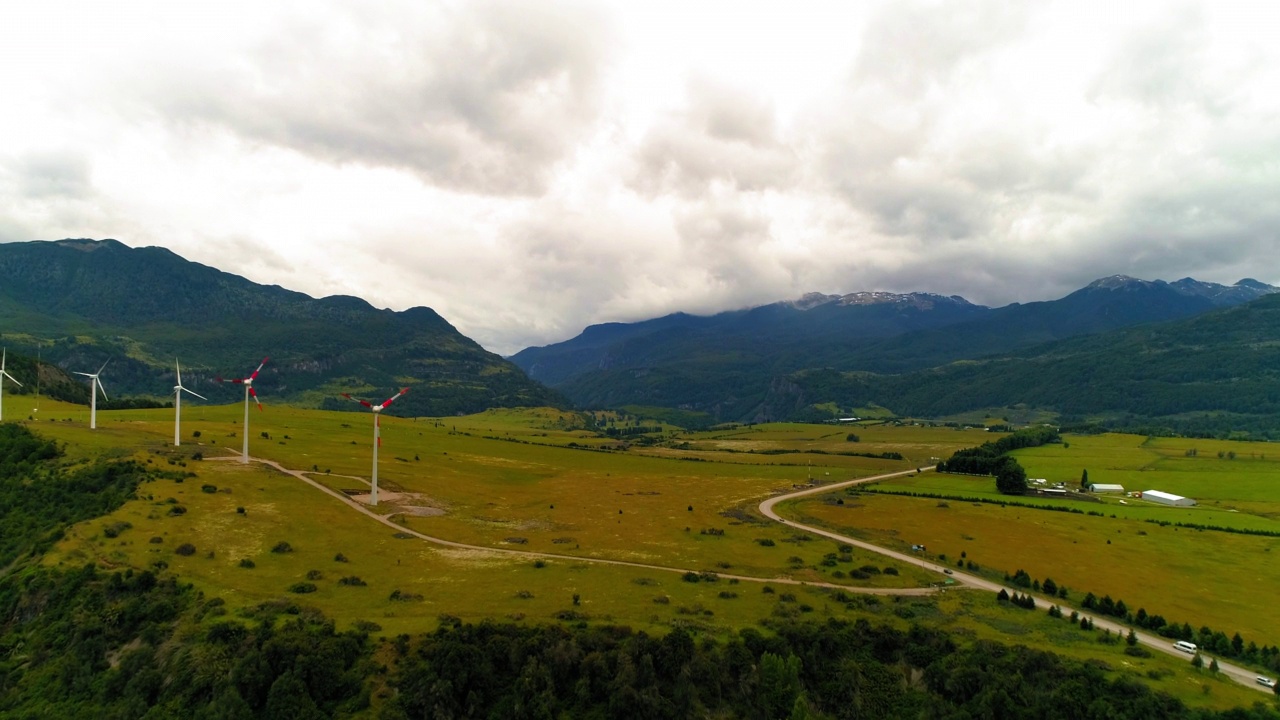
1106 488
1165 498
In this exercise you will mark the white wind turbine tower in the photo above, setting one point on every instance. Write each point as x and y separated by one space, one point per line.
95 387
4 354
177 405
248 390
377 435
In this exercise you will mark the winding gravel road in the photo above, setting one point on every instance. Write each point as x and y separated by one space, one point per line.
533 554
962 579
1155 642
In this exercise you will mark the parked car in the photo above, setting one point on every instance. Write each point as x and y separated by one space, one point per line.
1266 682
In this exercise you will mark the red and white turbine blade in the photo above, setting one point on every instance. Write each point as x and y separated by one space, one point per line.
254 393
365 403
393 397
254 376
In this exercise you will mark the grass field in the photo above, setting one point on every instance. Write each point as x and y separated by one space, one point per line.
1224 580
508 480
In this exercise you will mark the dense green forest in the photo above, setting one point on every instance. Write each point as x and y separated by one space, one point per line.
126 643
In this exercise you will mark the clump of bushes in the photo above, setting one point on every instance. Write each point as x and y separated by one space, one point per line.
185 549
114 529
247 563
282 547
352 581
302 588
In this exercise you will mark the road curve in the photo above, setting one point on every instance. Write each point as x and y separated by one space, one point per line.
1160 644
532 554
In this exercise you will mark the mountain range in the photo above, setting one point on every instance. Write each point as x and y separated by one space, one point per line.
764 363
80 303
1192 355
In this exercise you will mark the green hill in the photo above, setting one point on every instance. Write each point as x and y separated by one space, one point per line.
83 302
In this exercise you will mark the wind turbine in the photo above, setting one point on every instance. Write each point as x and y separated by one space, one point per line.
4 354
377 435
248 390
95 387
177 405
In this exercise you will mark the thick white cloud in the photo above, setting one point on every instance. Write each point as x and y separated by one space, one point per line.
529 168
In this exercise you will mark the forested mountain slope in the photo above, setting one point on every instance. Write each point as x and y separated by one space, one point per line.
82 302
764 363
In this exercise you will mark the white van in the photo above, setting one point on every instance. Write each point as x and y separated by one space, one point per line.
1266 682
1186 647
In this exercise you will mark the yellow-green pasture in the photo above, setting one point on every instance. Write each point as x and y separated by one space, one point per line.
470 584
490 491
451 478
1224 580
478 585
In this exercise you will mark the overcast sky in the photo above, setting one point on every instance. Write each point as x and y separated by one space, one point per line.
529 168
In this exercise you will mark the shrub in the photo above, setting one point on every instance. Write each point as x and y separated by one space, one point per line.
340 558
156 540
890 570
539 563
114 529
399 596
766 542
353 581
282 547
728 594
185 549
314 575
787 597
211 489
691 577
1137 651
177 510
247 563
302 588
240 510
662 600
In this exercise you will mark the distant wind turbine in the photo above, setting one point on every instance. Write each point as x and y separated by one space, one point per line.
377 435
177 405
4 354
95 387
248 390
